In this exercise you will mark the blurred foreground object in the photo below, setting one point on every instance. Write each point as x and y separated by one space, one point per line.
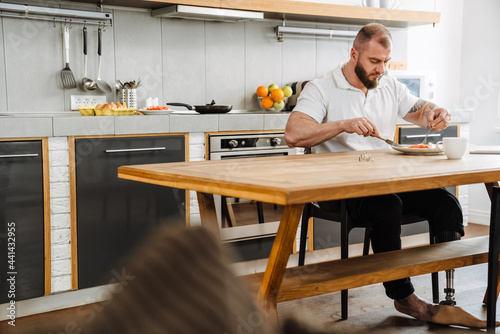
176 282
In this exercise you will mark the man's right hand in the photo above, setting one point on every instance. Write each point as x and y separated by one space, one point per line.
361 125
303 131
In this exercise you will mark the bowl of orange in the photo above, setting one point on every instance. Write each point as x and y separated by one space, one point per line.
273 98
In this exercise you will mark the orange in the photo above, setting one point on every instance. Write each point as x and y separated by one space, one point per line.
267 102
262 91
277 95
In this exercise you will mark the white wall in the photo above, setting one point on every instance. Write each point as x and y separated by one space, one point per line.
439 49
480 85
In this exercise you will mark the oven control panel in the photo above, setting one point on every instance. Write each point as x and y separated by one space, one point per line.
231 142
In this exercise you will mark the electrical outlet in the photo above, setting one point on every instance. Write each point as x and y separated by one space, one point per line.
86 100
397 65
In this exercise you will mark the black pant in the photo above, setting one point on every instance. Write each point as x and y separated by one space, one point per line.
384 215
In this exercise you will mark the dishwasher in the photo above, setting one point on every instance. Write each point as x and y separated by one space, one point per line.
113 215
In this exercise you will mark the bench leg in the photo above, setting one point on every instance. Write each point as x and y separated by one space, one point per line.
435 287
278 259
485 299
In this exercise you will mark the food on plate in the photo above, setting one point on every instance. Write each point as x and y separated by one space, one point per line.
156 108
429 145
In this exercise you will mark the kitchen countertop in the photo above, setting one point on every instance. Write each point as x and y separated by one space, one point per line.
71 123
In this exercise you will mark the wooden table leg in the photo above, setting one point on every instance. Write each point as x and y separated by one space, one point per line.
208 214
489 187
494 250
278 259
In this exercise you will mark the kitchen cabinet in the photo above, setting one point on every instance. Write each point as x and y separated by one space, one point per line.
111 215
329 13
301 11
22 220
411 134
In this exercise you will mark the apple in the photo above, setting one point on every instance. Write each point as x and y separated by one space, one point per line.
272 87
287 90
278 105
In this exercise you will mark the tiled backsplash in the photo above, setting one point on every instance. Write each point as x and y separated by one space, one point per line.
179 60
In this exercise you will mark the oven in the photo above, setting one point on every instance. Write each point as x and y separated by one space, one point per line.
250 226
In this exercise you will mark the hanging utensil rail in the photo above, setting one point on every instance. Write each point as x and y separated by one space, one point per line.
55 14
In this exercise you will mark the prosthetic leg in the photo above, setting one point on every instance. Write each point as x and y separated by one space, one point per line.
449 290
450 274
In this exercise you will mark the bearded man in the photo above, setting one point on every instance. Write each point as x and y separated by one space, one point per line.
339 112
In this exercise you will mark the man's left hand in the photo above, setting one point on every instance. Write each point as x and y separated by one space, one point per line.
438 118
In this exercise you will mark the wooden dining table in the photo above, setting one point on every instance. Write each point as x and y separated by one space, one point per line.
295 180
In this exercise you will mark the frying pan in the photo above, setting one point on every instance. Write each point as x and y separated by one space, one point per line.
211 108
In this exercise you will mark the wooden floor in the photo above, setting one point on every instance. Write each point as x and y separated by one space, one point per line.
369 309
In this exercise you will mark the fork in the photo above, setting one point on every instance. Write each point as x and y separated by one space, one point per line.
426 135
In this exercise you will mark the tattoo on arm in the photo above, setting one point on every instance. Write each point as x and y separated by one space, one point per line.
420 104
417 106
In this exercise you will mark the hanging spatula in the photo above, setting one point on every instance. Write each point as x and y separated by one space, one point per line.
68 79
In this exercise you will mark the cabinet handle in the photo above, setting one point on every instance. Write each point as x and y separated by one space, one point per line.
423 135
19 155
136 149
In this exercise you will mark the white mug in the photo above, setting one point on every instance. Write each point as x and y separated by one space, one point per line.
453 147
370 3
388 3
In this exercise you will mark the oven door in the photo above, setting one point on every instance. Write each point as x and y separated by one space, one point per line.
250 154
242 219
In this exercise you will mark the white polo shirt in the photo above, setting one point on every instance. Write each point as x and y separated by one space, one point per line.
332 98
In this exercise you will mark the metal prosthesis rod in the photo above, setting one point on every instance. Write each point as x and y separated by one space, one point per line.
449 290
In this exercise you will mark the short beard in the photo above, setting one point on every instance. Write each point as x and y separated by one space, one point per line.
363 77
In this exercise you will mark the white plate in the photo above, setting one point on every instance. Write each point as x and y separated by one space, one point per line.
156 112
418 151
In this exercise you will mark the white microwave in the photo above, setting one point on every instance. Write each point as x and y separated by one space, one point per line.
421 84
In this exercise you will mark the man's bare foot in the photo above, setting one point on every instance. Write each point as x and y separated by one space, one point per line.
438 314
454 315
415 307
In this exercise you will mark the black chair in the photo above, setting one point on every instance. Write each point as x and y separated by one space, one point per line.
312 210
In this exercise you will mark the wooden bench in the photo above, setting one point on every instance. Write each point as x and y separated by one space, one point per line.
320 278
